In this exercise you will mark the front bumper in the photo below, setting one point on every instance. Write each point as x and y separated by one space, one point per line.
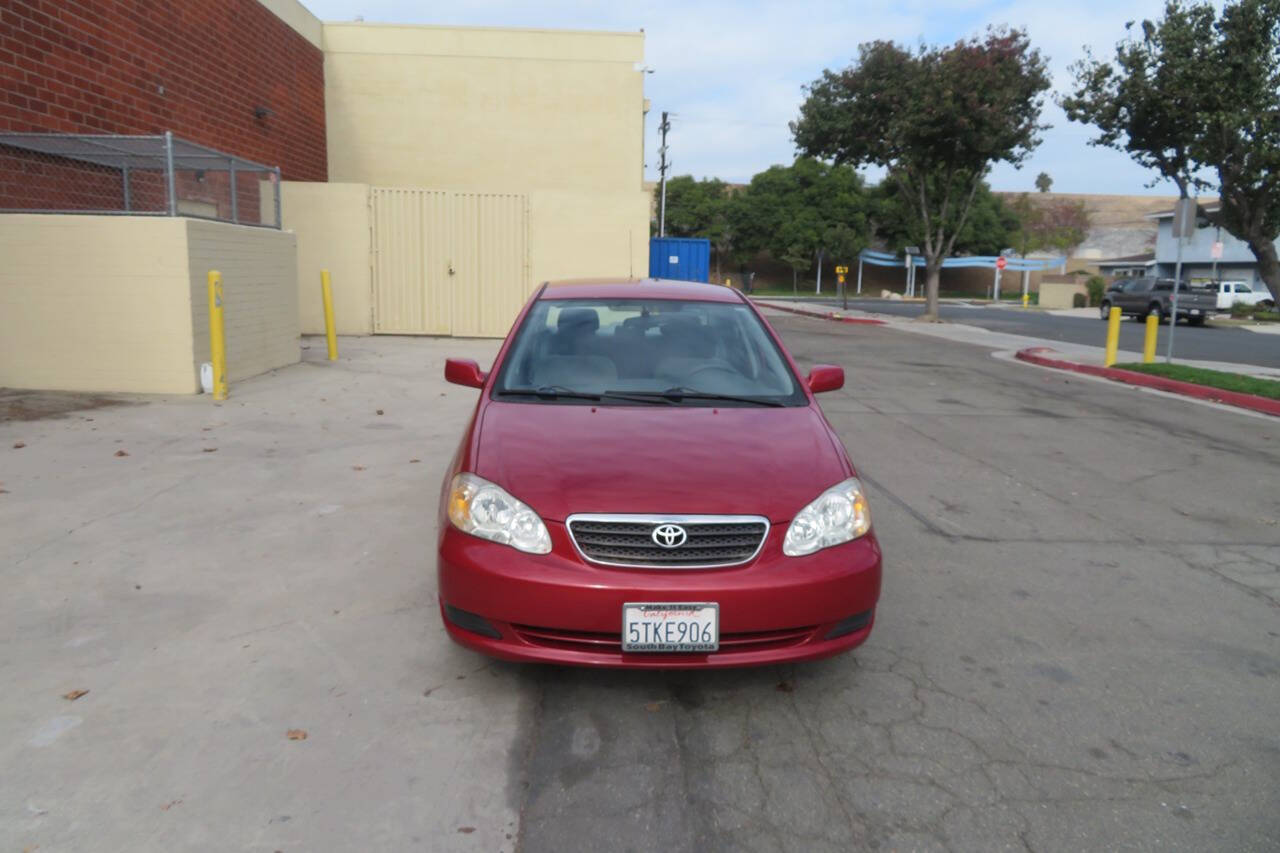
558 608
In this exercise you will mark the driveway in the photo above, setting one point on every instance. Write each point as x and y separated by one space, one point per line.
1078 645
1203 343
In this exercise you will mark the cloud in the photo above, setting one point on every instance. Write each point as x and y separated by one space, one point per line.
733 72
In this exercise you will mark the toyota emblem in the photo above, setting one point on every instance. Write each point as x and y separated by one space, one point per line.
669 536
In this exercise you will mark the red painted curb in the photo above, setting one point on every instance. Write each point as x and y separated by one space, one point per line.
859 321
1175 386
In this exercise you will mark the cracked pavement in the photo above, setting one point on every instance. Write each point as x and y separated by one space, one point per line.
1077 647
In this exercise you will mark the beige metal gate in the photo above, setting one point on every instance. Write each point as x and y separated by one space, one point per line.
448 263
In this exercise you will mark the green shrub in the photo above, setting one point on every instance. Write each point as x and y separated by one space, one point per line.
1079 300
1240 309
1097 286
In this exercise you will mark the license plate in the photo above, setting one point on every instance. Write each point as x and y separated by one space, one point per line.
1195 310
667 627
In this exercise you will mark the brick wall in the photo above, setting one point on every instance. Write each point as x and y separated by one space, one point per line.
196 67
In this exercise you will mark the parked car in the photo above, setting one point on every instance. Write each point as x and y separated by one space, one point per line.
646 481
1232 292
1138 297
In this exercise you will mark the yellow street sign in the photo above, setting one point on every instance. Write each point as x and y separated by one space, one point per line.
840 278
841 270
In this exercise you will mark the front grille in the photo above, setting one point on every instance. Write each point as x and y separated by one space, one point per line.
611 643
711 541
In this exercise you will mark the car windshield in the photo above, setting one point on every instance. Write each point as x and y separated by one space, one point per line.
645 352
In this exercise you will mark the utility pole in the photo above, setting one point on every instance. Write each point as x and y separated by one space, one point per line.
663 166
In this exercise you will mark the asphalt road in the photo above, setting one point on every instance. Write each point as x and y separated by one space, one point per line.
1077 648
1205 343
1078 645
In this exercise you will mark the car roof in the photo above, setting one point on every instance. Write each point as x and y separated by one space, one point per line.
639 288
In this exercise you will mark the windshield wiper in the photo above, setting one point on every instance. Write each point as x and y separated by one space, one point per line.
549 392
680 392
560 392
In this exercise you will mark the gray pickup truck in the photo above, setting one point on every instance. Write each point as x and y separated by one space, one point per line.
1138 297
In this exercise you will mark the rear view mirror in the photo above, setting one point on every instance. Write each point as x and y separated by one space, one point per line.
464 371
825 377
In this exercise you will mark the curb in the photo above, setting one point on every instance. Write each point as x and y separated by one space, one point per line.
829 315
1036 355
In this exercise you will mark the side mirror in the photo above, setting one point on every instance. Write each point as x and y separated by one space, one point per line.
464 371
825 377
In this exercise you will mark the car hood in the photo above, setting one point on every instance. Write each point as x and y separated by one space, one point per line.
565 459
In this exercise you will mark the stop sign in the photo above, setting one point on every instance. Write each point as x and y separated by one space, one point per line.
1001 263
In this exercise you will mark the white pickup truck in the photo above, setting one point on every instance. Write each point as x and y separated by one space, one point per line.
1231 292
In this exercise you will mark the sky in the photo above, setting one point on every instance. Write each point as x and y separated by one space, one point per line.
732 72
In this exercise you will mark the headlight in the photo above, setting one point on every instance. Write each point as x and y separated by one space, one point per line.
840 514
483 509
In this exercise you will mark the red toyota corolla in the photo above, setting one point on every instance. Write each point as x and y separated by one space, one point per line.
647 482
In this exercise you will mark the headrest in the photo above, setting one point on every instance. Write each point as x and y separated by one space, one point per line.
578 319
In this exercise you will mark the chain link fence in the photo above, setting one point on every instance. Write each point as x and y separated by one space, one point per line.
135 175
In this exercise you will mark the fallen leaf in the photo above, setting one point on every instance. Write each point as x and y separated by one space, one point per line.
466 830
785 687
18 445
169 805
653 706
379 411
357 467
121 453
296 734
210 450
74 695
412 461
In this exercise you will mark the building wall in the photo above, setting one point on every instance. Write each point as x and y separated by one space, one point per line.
112 315
259 269
127 310
331 222
1237 263
558 116
198 68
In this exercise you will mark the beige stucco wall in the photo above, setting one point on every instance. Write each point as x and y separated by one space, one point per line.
95 303
117 303
331 222
555 115
1060 294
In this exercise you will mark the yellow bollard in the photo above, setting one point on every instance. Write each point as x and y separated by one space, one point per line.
217 337
1149 343
1026 299
330 333
1113 336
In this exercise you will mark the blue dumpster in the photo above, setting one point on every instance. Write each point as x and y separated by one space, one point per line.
683 258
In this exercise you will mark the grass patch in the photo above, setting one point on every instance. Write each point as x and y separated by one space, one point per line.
1213 378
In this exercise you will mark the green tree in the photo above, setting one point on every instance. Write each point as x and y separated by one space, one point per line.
795 211
937 119
1044 183
1199 91
991 227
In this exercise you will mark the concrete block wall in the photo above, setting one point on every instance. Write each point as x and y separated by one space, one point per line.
260 299
119 303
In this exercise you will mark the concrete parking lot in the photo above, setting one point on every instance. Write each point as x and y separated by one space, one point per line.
1078 644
